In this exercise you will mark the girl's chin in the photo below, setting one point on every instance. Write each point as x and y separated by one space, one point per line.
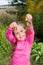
21 39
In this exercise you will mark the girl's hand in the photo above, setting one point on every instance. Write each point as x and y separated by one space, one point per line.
28 18
12 25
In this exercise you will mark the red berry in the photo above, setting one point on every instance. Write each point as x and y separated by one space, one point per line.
28 32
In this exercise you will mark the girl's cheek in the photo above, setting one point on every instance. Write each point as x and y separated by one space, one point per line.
17 36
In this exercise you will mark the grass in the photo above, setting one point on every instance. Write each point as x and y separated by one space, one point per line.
5 47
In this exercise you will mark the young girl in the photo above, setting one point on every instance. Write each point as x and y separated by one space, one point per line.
21 55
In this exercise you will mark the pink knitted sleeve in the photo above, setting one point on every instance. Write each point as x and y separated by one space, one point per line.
30 37
10 36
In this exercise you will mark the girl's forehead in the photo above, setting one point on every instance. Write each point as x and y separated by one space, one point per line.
19 28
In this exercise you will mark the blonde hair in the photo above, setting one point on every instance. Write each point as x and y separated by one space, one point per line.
22 24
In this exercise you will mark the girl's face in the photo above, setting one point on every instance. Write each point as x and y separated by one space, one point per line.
20 33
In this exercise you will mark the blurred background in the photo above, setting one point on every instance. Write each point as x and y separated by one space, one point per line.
15 10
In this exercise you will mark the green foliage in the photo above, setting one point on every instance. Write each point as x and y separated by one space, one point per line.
5 47
37 53
38 25
21 11
36 1
6 18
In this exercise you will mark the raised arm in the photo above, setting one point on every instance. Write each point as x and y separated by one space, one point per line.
30 35
9 33
10 36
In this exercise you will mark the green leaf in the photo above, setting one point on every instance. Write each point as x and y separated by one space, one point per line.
37 58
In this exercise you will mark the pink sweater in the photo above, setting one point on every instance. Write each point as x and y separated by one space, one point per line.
23 49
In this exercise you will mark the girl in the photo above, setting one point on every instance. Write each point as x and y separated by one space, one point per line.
21 55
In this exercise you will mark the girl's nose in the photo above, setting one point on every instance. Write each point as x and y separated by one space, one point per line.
20 34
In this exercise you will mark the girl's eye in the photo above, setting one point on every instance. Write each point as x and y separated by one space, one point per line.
21 31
